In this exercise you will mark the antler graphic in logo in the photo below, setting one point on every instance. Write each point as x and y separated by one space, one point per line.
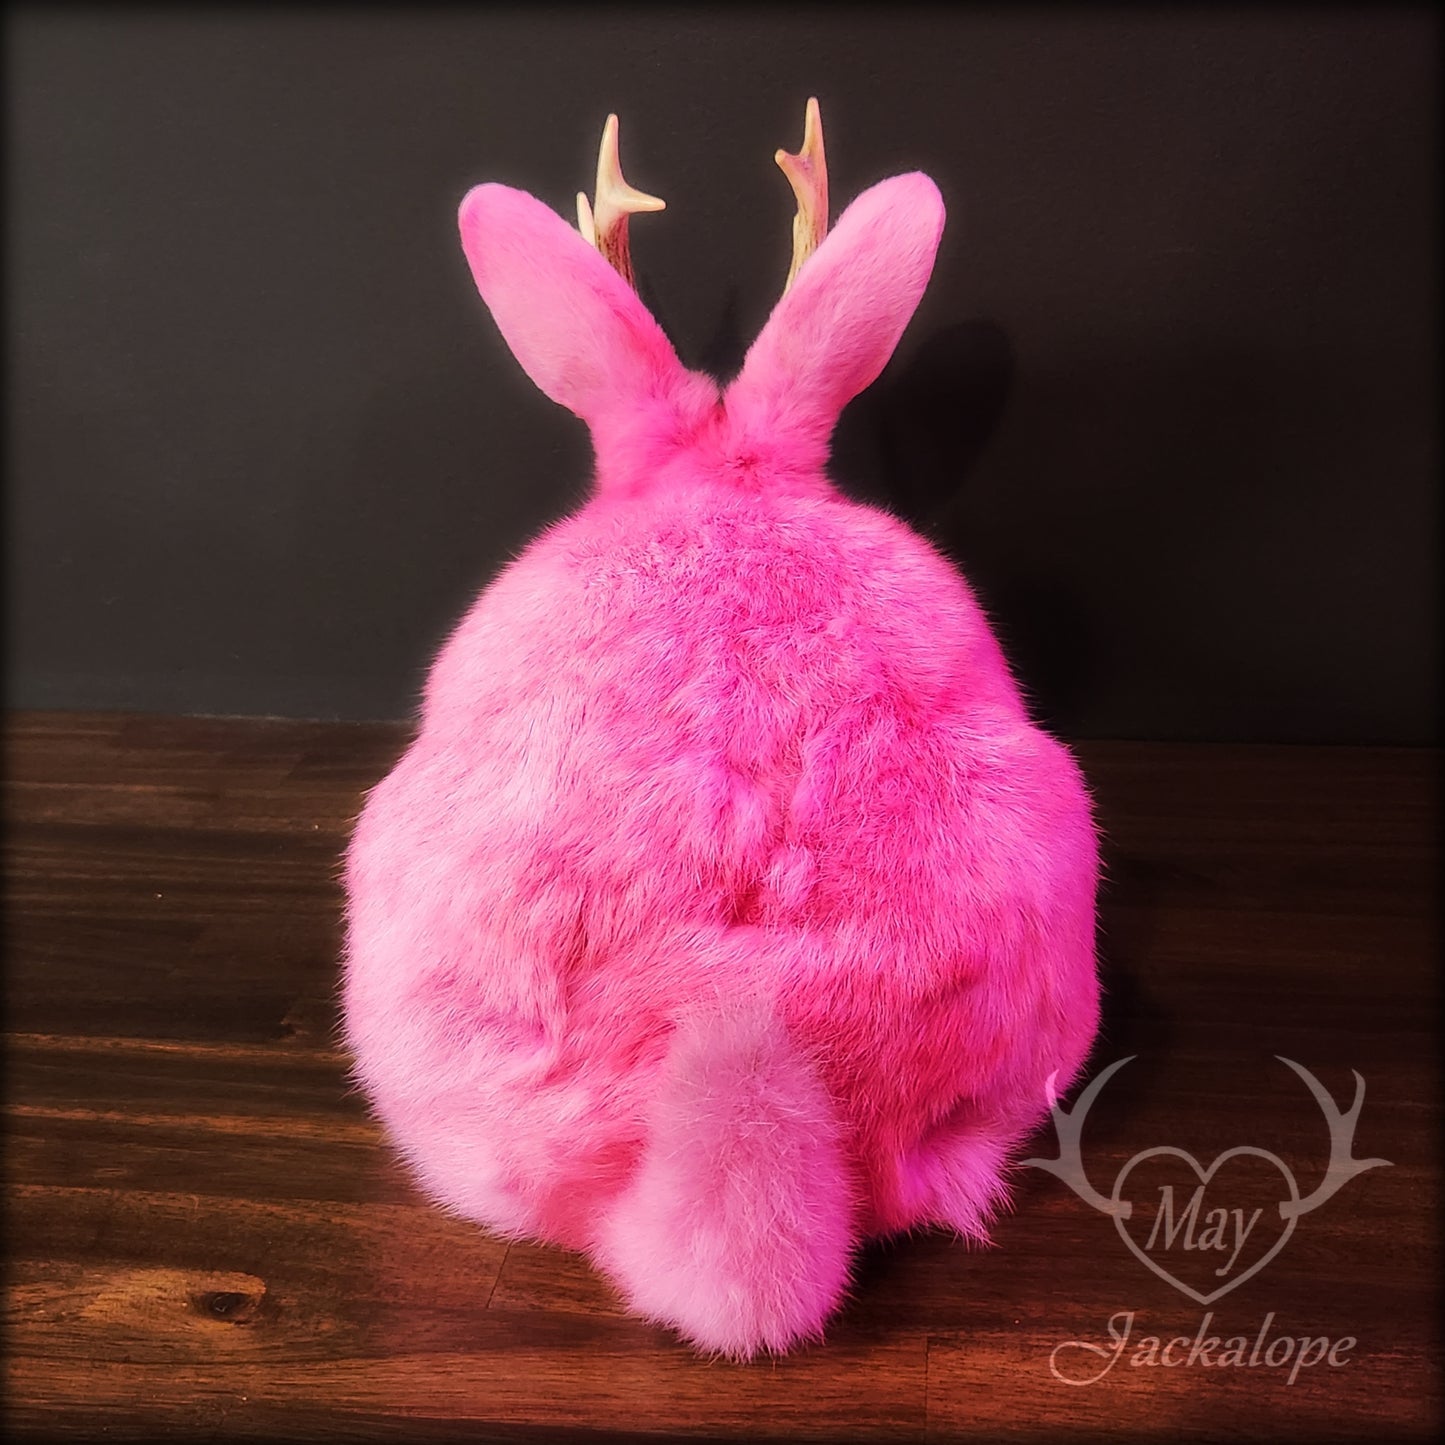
1213 1225
1342 1166
1069 1166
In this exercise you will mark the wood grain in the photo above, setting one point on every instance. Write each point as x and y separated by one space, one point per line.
207 1236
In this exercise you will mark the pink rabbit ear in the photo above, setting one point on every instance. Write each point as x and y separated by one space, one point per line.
575 325
834 330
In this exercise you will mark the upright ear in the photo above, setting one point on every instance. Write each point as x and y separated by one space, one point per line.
577 327
834 330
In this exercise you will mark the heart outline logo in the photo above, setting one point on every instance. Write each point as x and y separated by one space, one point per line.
1124 1210
1342 1167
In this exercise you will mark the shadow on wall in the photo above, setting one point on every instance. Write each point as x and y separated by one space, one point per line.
912 444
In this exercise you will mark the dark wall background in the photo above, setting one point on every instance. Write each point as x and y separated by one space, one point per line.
1170 400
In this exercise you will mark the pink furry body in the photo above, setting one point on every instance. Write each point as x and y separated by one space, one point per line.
728 908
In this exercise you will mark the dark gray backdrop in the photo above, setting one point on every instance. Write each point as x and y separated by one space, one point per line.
1169 401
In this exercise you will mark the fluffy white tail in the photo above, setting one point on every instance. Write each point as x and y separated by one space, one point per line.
737 1229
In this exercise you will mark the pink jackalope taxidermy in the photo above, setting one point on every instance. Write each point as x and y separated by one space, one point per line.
728 909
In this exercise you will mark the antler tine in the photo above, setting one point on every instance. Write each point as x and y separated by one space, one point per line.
1343 1166
807 173
1069 1128
604 223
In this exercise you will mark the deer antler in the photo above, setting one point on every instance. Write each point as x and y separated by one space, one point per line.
1342 1168
1069 1166
604 223
807 173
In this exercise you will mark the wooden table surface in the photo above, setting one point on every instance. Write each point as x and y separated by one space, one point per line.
208 1238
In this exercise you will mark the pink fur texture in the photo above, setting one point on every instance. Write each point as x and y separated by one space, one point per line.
728 909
